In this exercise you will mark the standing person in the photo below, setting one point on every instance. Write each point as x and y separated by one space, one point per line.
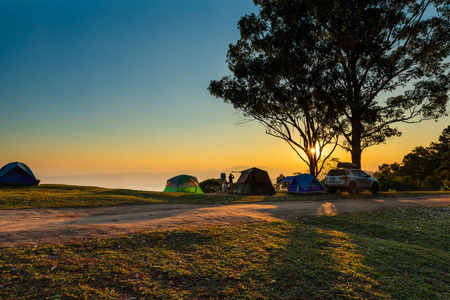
230 178
224 186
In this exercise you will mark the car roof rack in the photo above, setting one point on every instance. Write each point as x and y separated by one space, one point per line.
346 165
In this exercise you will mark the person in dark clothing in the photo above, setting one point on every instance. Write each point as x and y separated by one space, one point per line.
230 178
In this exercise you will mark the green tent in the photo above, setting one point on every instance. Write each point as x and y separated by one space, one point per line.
254 181
183 184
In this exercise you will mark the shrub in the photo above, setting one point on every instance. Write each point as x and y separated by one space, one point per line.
397 183
211 185
432 183
281 186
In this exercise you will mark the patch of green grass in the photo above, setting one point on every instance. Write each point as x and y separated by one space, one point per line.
51 196
401 254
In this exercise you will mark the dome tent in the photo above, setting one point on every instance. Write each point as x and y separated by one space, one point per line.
183 184
254 181
304 183
17 173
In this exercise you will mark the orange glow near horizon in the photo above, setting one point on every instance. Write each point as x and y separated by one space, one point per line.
243 145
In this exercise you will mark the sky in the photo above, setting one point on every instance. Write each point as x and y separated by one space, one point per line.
107 87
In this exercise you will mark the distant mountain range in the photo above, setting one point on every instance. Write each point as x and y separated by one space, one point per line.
147 181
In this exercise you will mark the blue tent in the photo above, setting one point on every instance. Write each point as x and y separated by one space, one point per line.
17 173
304 183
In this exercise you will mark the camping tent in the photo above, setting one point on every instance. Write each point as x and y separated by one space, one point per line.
304 183
183 184
17 173
254 181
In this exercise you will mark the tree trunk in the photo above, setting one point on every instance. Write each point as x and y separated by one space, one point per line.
312 169
356 156
356 144
312 164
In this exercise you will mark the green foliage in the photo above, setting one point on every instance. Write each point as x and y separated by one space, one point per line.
424 168
281 186
401 254
432 183
212 185
420 163
444 169
397 183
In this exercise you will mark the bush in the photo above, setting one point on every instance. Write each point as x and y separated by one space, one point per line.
397 183
432 183
406 183
281 186
211 185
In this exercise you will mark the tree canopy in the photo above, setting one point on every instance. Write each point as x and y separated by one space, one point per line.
310 70
276 82
425 168
380 47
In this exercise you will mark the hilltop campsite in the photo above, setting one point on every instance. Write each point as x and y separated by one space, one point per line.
238 149
154 244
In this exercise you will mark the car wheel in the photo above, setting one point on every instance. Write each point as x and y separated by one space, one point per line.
332 190
375 188
352 188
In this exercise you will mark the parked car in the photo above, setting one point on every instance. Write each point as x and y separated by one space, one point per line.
346 177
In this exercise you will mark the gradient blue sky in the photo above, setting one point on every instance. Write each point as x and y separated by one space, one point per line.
121 86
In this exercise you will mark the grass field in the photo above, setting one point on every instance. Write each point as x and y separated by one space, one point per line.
51 196
398 254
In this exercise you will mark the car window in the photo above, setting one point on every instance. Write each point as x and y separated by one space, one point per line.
336 173
359 173
363 174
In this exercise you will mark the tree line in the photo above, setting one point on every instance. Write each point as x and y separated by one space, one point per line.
424 168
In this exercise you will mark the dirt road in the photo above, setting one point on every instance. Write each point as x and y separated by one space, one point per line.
39 226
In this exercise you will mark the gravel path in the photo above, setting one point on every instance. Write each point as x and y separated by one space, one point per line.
39 226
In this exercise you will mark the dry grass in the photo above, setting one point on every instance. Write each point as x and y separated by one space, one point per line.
51 196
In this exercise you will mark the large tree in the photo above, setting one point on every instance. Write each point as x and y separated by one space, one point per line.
276 82
418 164
340 59
382 47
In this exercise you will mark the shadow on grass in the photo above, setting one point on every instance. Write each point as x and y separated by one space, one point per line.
321 258
402 226
400 254
323 264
